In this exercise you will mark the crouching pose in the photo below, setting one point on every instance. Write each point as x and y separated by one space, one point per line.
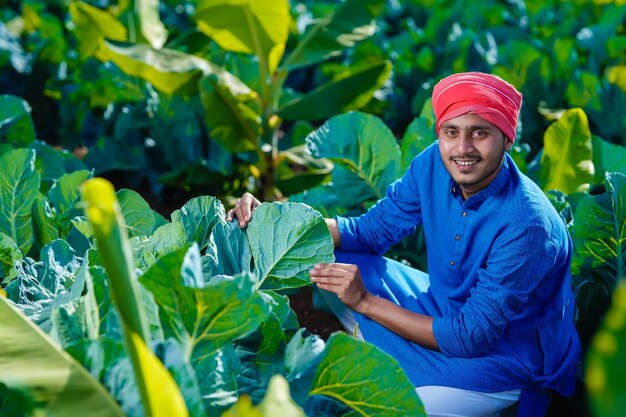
491 325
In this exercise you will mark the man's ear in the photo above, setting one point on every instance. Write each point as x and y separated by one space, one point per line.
508 144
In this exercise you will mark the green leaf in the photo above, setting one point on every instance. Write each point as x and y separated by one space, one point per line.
53 163
217 377
566 163
247 26
16 124
233 123
31 361
65 194
197 218
40 286
137 213
20 185
45 226
228 252
168 70
147 20
366 379
367 151
350 92
350 21
286 240
418 136
600 232
92 25
607 157
302 357
202 318
604 373
10 255
297 170
277 402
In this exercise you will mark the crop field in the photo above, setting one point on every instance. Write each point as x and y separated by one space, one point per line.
129 128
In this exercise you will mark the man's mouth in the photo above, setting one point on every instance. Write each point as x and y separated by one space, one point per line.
466 162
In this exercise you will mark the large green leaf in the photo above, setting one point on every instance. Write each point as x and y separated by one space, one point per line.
250 26
566 163
232 123
350 92
228 252
20 185
605 367
197 218
137 213
16 124
31 361
366 379
350 21
92 25
367 151
607 157
308 171
600 232
64 196
418 136
217 377
286 240
202 318
168 70
9 256
149 27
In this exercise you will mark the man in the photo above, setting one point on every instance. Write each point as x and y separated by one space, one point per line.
492 322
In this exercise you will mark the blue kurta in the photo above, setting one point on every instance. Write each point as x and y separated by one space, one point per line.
500 286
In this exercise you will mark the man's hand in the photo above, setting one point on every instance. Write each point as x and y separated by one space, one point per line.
345 281
243 209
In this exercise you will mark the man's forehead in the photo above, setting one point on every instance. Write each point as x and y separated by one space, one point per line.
468 121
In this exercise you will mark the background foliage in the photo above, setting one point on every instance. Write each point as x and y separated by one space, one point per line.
323 103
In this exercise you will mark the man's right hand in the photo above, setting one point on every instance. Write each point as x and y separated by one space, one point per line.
243 210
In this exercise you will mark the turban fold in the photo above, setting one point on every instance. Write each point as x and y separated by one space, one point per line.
485 95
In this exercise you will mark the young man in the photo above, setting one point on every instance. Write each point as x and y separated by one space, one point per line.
492 323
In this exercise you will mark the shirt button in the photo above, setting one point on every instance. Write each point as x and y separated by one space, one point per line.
457 237
454 190
465 214
451 263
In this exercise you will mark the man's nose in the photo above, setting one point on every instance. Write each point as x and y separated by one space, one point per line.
466 143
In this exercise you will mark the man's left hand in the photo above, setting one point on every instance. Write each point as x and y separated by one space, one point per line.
343 280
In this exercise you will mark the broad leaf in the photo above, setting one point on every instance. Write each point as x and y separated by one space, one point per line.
10 255
600 232
286 240
418 136
168 70
228 252
607 157
303 355
31 361
350 92
197 218
351 21
366 379
233 123
205 318
149 27
217 378
366 150
20 185
566 163
308 171
92 25
16 124
605 368
64 196
40 286
248 26
137 213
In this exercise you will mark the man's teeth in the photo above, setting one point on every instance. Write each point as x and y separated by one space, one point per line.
466 163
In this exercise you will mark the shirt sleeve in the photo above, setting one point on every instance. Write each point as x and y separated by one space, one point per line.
389 220
517 263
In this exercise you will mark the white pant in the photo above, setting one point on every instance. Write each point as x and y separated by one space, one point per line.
439 401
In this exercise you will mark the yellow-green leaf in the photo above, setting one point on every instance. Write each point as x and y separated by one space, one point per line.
32 362
617 76
146 17
164 396
92 25
566 163
258 27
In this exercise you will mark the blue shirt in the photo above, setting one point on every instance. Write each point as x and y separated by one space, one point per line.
500 286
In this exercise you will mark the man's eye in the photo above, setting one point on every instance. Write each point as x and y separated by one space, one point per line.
480 133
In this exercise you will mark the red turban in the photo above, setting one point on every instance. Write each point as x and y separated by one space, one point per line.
485 95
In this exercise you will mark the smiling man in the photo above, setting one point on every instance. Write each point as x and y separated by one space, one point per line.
491 324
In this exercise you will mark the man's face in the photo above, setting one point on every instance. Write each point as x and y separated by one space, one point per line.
472 150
